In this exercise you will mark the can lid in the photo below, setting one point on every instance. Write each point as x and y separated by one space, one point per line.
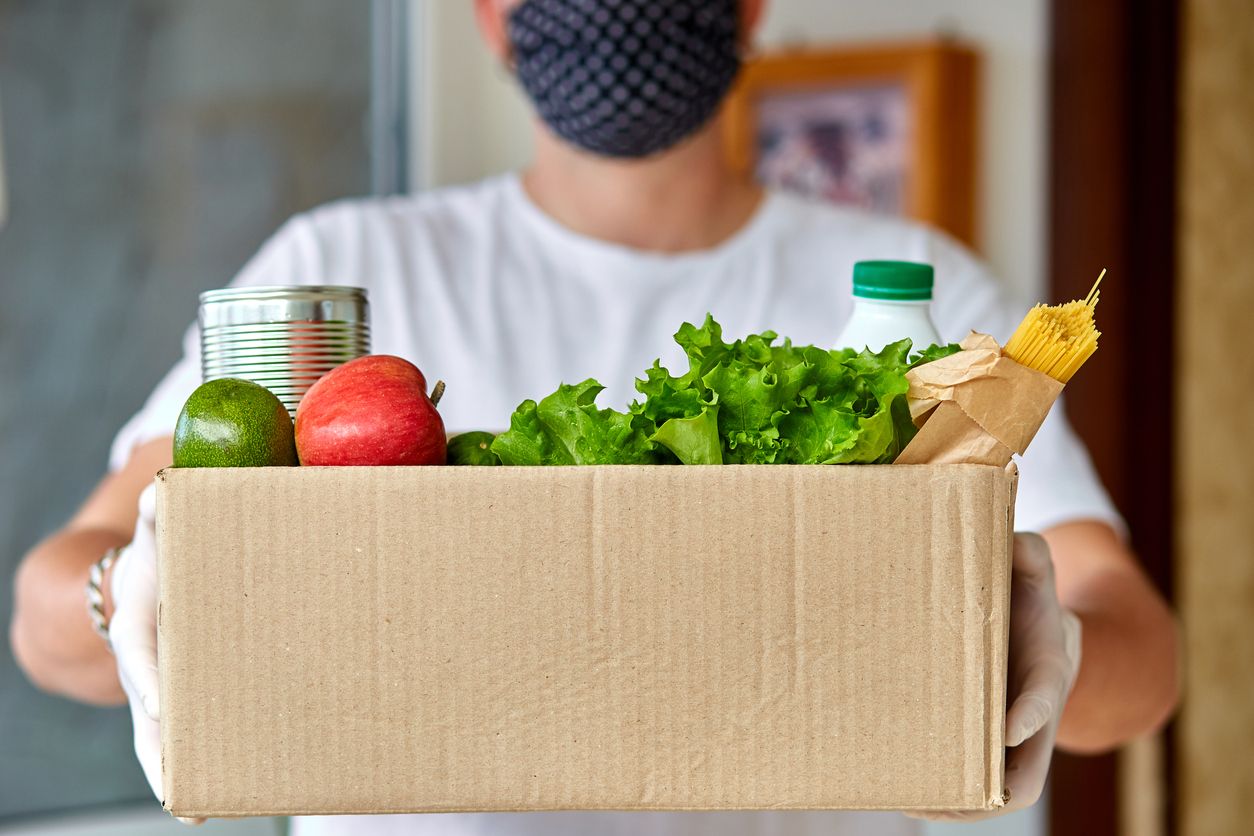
900 281
271 308
298 292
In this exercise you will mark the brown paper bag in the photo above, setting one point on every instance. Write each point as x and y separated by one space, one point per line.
976 407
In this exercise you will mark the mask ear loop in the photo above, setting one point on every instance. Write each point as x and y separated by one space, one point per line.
746 49
511 60
507 67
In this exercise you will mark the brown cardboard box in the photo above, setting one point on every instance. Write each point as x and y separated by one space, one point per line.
627 638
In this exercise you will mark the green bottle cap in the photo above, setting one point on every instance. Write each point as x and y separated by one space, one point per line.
898 281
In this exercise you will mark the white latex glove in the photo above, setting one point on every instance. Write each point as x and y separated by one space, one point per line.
133 634
1044 661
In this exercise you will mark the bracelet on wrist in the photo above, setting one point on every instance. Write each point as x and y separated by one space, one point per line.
95 594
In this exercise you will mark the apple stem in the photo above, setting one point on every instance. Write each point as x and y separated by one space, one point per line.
437 392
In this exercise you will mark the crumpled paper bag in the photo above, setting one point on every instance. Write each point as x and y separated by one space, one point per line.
976 407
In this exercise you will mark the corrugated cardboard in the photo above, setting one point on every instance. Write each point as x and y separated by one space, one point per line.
627 638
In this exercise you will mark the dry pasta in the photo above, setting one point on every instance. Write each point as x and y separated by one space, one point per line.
1057 339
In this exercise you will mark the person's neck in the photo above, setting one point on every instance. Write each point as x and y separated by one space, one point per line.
684 199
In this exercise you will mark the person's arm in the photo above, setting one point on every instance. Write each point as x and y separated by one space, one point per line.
1128 683
51 632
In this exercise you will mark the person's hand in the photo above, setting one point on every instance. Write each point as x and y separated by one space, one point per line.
133 635
1044 661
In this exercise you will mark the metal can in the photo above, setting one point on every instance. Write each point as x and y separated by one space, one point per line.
283 338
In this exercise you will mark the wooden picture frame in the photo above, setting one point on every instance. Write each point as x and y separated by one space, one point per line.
928 91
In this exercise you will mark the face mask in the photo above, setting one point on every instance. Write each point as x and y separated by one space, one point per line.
625 78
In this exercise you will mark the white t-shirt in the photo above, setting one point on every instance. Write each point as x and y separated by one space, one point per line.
481 289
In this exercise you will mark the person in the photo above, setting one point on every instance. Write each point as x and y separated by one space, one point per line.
626 223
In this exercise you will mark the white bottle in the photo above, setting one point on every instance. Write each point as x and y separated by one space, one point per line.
890 302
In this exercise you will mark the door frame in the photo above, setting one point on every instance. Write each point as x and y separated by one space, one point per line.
1112 204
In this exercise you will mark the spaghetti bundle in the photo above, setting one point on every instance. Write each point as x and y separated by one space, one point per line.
1057 339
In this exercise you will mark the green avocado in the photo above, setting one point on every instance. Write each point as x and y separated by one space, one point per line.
234 423
473 448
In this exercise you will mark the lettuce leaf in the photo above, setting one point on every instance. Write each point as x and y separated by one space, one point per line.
749 401
567 428
692 440
933 352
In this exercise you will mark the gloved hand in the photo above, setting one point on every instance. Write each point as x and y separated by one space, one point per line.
133 635
1044 661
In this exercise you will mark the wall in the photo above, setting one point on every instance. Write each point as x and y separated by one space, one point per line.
140 820
1214 417
471 121
150 147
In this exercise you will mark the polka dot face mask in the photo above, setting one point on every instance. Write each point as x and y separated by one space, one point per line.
625 78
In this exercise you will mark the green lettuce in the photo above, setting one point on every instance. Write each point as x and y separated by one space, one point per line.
750 401
567 428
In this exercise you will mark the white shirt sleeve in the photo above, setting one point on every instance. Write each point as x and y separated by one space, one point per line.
1057 480
290 256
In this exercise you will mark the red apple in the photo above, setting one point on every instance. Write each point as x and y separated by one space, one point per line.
370 411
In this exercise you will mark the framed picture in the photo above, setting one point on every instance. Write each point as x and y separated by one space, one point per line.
889 128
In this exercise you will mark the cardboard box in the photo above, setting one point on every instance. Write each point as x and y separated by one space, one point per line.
338 640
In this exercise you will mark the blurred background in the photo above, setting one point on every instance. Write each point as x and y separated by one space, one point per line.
147 147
